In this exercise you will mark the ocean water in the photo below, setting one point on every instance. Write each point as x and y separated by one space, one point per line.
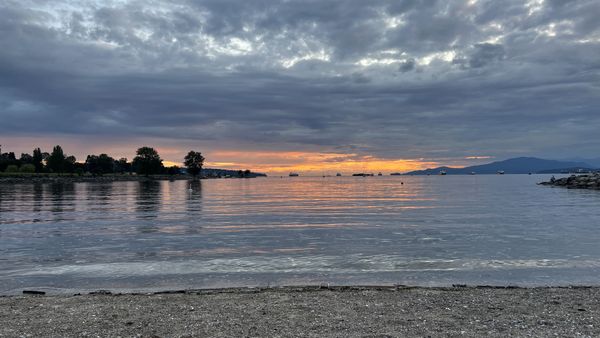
429 231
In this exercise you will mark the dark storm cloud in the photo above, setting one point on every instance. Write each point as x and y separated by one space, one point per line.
389 78
486 53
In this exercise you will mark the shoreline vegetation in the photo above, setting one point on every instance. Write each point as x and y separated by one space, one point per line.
348 311
57 167
75 178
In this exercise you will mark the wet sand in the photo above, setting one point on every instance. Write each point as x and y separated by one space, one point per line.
309 312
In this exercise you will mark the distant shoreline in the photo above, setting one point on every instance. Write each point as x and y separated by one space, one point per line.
74 178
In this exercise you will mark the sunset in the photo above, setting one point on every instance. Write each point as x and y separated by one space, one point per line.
299 168
393 81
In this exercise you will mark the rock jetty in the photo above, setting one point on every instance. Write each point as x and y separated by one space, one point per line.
587 181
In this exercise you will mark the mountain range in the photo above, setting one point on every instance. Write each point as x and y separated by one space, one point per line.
520 165
594 162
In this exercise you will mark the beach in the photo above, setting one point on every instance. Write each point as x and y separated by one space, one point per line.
309 312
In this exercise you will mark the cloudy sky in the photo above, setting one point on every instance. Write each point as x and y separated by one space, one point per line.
303 85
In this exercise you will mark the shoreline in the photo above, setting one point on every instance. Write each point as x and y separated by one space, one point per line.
43 178
54 292
67 178
330 311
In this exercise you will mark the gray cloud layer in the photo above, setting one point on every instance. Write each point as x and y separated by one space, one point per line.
420 78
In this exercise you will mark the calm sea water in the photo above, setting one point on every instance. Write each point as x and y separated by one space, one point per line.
431 230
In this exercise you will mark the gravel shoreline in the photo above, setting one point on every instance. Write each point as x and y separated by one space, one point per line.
309 312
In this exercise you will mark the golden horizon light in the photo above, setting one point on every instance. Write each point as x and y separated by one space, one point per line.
285 162
271 162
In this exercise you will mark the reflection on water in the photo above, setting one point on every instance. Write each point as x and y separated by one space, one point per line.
148 200
344 230
194 198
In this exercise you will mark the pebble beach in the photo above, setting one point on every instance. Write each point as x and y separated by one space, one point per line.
309 312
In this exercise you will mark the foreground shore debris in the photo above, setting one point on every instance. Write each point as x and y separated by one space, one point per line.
397 311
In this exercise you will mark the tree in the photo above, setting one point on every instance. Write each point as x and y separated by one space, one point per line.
174 170
147 162
26 159
70 164
56 160
194 162
6 160
122 166
12 168
37 160
99 165
27 168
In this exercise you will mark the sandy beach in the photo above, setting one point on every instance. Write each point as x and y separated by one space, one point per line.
309 312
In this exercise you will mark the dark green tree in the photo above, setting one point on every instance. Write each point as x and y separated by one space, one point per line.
26 159
122 166
70 164
27 168
194 162
100 165
56 160
7 159
37 160
12 168
147 162
174 170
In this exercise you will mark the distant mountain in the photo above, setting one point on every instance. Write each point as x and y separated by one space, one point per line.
520 165
573 170
594 162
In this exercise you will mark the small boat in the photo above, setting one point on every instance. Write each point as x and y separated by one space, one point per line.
338 174
294 174
443 172
362 174
500 172
395 174
380 174
472 173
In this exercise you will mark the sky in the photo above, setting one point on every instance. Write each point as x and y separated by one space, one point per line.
309 86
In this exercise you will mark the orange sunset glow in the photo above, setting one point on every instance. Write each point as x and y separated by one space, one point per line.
274 162
312 162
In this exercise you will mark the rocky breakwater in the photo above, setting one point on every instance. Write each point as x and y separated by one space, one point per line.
587 181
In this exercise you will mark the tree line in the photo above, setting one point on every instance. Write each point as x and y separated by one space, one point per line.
146 162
